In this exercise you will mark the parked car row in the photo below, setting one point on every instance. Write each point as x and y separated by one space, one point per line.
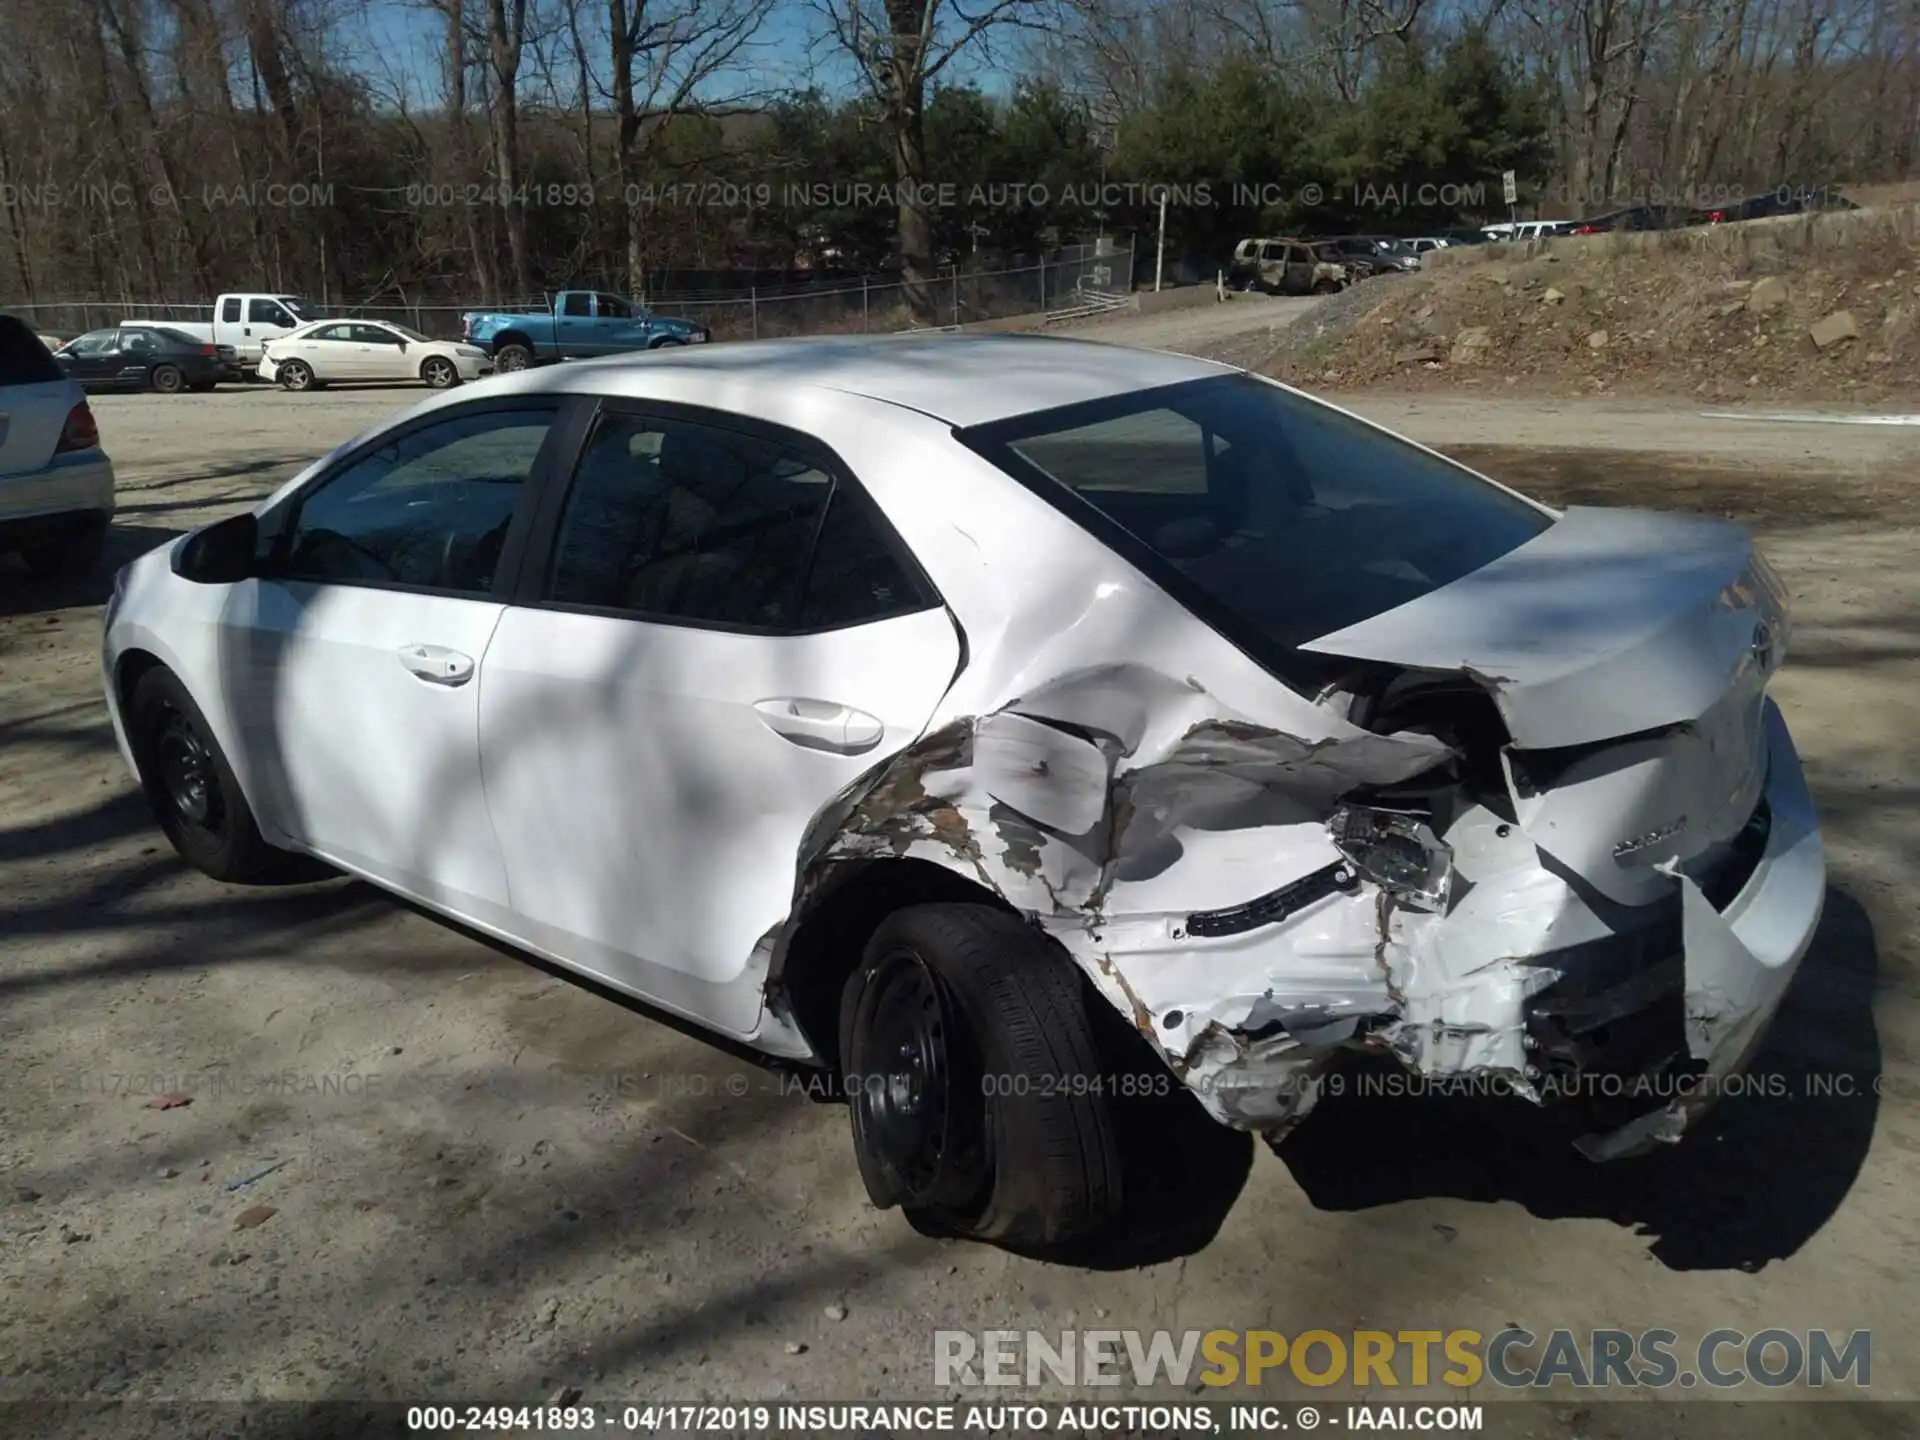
1283 265
1782 201
284 339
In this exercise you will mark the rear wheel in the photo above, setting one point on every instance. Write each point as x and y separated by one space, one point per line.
439 372
509 358
167 379
295 375
972 1066
192 789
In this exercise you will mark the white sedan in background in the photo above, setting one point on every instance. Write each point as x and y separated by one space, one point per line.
325 351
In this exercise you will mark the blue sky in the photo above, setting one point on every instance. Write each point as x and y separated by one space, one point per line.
400 43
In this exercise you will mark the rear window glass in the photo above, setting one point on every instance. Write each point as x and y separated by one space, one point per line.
23 359
1276 518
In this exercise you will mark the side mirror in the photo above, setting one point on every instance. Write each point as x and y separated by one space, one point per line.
220 554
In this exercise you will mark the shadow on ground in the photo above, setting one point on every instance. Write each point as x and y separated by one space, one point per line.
1767 1169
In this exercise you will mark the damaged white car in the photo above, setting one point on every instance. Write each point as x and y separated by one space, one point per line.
890 705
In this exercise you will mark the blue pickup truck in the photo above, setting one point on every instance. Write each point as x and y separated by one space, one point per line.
580 324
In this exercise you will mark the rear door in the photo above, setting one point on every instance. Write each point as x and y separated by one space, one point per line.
330 350
136 352
35 400
715 634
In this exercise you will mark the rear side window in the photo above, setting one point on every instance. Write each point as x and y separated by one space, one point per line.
230 310
23 359
1275 518
577 304
856 576
675 520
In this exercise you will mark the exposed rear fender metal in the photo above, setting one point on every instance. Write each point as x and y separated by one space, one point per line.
1183 850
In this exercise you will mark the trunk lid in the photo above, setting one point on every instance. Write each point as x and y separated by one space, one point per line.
1608 623
1628 653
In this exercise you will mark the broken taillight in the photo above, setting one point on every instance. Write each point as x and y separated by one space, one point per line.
1398 851
80 432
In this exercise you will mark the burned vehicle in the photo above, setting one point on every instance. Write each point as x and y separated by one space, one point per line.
1284 267
902 707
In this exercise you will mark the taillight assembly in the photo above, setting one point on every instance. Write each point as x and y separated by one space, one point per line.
210 352
80 432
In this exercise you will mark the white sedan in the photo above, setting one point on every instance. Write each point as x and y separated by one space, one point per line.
322 352
1012 728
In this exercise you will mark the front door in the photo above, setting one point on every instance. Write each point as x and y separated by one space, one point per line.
356 657
724 637
380 354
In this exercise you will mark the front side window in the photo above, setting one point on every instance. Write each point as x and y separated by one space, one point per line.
429 509
94 342
1276 518
374 335
683 521
331 334
267 312
612 307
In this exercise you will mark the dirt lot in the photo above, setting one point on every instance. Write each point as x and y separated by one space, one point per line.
495 1182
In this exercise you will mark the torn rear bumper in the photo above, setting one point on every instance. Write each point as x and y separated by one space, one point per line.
1531 982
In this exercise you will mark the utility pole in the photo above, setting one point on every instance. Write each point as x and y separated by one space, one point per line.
1160 246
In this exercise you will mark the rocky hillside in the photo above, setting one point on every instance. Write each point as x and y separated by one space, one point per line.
1801 311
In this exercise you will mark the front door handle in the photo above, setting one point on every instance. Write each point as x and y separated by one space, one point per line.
821 724
437 665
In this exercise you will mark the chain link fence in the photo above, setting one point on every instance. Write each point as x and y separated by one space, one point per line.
959 295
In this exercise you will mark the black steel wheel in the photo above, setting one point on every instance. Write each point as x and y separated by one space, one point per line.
190 785
972 1070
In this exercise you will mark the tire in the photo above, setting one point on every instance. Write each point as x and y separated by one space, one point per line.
664 344
439 373
295 375
74 554
167 379
190 785
950 1006
509 358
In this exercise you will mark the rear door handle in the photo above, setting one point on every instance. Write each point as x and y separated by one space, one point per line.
820 724
437 665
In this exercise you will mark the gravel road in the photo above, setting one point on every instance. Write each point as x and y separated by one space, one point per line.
493 1181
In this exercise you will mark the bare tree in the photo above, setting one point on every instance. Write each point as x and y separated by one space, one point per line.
670 58
900 47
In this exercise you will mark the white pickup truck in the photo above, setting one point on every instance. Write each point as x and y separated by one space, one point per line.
246 322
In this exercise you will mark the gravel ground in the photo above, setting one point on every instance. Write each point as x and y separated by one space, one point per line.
530 1185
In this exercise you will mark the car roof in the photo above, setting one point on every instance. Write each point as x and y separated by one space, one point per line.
959 379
